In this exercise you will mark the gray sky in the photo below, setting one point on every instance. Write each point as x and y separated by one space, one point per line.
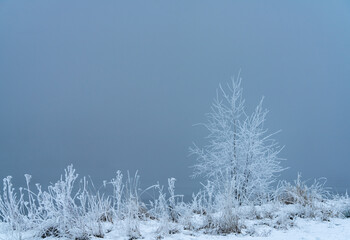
110 85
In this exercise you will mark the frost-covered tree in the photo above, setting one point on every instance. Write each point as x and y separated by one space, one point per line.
240 153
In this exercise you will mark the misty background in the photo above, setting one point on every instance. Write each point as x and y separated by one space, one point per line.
110 85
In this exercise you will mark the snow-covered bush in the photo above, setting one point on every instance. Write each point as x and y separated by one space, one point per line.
214 212
312 200
339 205
240 161
301 193
96 210
174 214
161 211
239 150
227 220
59 203
132 212
118 188
13 207
167 210
191 214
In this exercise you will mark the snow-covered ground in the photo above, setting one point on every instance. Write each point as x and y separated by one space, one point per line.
336 229
304 229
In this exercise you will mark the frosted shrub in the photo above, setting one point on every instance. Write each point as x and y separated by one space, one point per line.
339 206
189 218
208 196
118 188
228 219
301 193
98 211
214 210
58 207
239 149
346 211
31 207
161 212
174 215
70 212
312 200
168 211
343 206
132 207
207 204
12 208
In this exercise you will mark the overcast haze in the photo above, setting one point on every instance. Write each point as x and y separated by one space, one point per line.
110 85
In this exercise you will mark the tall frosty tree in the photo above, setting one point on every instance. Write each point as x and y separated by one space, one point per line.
241 157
